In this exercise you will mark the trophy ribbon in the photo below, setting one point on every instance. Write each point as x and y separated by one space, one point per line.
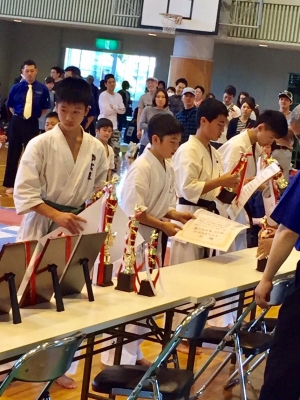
152 263
129 259
241 168
278 180
109 206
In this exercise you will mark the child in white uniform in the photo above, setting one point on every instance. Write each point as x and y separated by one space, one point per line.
150 183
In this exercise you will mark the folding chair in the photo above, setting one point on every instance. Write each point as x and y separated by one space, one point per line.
45 363
156 382
251 344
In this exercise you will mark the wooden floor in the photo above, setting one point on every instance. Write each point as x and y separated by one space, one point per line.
27 391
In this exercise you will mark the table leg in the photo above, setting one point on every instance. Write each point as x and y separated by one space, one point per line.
87 368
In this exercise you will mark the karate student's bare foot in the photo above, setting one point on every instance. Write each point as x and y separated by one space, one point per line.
144 362
9 191
184 348
66 382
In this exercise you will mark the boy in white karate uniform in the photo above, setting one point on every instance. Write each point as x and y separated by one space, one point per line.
150 183
269 126
59 170
199 174
104 130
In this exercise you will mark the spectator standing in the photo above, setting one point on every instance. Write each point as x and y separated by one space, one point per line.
175 101
122 118
199 95
111 104
236 125
160 105
146 100
27 101
49 82
187 116
56 73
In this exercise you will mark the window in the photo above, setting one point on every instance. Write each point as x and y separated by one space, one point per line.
132 68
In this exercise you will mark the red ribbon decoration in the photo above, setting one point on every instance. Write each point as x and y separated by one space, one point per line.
241 167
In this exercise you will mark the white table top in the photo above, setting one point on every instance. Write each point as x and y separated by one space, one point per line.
189 282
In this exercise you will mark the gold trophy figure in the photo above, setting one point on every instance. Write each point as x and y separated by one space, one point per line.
146 289
279 178
126 278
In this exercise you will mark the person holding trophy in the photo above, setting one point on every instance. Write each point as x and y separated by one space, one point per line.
149 184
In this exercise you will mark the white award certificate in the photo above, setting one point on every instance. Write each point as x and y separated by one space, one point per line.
210 230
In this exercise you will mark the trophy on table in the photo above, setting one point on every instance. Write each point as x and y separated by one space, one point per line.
266 233
105 267
128 271
226 195
147 286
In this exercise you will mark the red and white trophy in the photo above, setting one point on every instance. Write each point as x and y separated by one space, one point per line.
227 195
110 204
128 269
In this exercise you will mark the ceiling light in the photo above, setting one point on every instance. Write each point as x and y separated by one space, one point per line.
263 45
17 20
152 34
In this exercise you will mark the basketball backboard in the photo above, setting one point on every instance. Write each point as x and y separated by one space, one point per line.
199 16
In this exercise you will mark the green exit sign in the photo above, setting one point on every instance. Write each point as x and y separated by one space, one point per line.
107 44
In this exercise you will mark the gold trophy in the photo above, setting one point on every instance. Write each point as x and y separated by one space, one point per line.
266 233
126 278
146 289
105 267
279 178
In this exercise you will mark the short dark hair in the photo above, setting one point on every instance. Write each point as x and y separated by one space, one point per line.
182 80
49 79
108 76
171 88
210 95
238 102
104 123
210 109
28 62
75 71
125 85
163 125
250 101
231 90
58 70
163 83
73 91
52 114
200 87
274 121
166 97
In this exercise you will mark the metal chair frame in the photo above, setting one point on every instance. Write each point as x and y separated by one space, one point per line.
191 327
280 288
45 363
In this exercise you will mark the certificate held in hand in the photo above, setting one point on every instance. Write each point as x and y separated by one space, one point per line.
210 230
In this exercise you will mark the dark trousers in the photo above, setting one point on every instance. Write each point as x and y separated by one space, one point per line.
20 132
281 380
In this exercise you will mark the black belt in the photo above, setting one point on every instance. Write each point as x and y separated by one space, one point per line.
278 147
209 205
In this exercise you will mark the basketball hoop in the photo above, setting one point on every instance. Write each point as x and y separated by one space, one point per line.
170 22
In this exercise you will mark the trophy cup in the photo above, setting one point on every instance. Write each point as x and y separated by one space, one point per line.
105 267
126 278
147 286
226 195
265 233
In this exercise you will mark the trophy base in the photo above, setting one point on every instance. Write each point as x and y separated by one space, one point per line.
108 269
125 282
261 265
146 289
